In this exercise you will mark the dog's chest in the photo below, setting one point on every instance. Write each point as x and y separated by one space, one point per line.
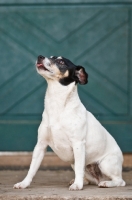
60 143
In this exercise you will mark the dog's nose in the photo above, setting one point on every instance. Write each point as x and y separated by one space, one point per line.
41 58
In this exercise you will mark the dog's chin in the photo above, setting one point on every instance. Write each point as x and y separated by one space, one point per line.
46 74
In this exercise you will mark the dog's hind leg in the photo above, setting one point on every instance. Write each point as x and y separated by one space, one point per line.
93 173
111 166
37 157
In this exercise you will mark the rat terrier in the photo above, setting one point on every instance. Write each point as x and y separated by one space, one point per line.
73 133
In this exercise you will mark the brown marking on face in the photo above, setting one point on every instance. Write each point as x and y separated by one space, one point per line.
66 74
58 73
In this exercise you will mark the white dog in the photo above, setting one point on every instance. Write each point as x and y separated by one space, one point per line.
71 131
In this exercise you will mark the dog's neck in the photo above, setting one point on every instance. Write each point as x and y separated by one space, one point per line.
58 97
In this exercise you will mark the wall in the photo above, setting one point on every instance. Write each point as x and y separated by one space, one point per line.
94 34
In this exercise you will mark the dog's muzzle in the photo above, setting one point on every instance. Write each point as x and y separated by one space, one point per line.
40 64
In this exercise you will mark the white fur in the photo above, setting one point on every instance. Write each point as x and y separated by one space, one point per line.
76 136
59 57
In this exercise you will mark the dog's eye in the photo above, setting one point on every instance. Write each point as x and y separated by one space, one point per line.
54 57
61 62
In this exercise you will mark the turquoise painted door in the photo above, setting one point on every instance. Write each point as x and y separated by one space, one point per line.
96 35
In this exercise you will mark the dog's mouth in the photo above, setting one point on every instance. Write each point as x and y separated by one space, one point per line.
41 66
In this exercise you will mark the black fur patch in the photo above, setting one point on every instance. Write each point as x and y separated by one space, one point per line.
76 73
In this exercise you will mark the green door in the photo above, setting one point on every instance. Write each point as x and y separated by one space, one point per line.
96 35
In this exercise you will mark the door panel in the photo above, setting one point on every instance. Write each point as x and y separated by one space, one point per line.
97 37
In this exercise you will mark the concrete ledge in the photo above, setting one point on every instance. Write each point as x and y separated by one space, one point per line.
51 160
127 160
23 160
53 184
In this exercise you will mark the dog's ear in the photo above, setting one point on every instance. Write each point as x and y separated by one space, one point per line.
81 75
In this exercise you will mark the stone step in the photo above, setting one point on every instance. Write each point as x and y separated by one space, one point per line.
53 184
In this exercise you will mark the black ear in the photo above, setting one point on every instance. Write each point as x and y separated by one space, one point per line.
80 75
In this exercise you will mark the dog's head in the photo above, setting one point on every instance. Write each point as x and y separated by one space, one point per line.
61 69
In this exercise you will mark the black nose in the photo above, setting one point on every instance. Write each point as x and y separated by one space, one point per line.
41 58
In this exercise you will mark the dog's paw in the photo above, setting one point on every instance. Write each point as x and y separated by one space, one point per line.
103 184
85 181
21 185
107 184
75 187
71 182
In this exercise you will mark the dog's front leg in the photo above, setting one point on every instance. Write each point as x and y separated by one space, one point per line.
79 164
37 158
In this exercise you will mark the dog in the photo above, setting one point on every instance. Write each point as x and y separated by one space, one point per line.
73 133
